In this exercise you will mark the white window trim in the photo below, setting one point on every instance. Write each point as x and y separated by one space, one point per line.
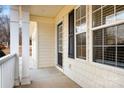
79 59
116 22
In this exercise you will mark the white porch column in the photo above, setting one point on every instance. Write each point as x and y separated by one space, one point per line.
25 45
14 38
14 30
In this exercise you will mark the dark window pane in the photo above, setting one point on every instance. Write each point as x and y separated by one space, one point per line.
81 45
78 45
83 10
120 35
120 12
81 52
94 7
97 54
78 26
78 39
59 37
97 37
108 14
109 55
109 36
78 49
81 39
83 49
83 25
71 34
71 47
83 35
71 22
120 56
96 18
78 13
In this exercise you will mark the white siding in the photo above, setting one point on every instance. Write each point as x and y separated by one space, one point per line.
88 74
46 43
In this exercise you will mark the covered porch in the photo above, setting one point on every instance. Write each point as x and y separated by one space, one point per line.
64 46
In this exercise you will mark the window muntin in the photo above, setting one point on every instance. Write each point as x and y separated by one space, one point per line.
81 45
120 45
119 12
78 13
108 42
104 46
110 36
95 7
83 11
120 56
96 18
107 14
83 25
78 27
120 35
78 45
97 37
81 32
109 55
111 50
60 38
97 54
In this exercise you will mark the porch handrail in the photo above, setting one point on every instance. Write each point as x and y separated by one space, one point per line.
9 71
6 58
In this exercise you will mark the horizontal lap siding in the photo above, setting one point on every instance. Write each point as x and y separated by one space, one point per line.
89 74
46 46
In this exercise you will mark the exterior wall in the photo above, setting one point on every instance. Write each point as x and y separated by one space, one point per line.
46 41
86 73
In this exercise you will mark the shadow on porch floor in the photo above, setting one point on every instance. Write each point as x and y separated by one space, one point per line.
50 78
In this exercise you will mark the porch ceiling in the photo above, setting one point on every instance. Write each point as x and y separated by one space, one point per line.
45 10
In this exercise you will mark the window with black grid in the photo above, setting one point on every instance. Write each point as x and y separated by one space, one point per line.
71 34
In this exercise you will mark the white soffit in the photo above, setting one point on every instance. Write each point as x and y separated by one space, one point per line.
45 10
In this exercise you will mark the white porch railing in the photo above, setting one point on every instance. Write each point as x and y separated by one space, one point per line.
9 71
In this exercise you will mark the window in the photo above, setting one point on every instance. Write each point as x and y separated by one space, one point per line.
59 38
5 29
120 45
96 18
108 43
108 14
97 45
71 34
81 32
95 7
119 12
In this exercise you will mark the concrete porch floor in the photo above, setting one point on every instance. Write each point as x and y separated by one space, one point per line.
50 78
